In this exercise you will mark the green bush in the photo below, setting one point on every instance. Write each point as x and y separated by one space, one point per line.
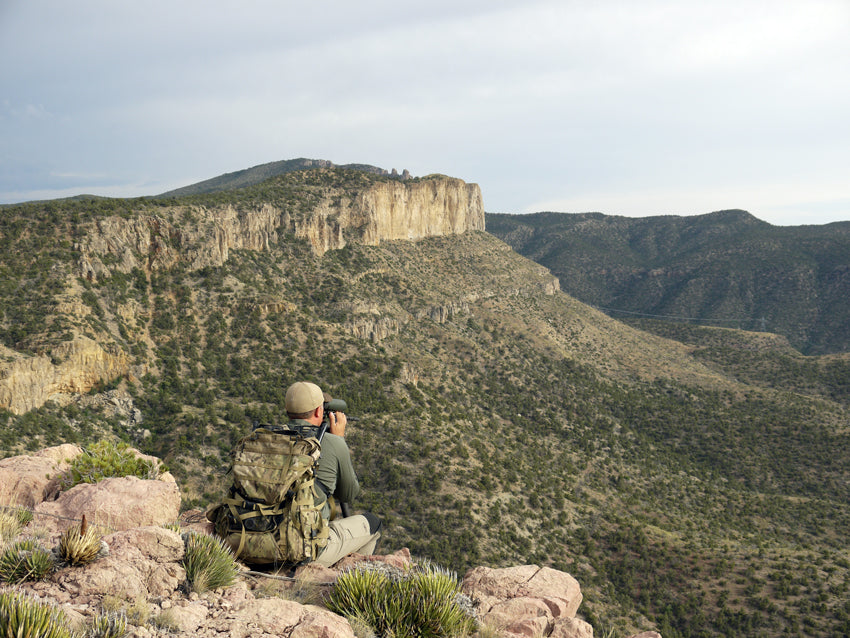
25 560
209 563
423 601
106 459
24 616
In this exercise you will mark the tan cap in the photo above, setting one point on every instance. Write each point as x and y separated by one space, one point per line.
303 396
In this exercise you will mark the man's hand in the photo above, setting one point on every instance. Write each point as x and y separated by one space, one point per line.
337 422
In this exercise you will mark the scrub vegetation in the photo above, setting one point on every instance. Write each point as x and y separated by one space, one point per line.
696 482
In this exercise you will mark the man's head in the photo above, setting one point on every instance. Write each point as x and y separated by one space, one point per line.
302 399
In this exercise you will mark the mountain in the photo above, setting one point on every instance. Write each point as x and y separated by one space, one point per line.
262 172
725 269
696 483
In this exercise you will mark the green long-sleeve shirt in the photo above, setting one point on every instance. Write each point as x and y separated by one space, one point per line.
335 470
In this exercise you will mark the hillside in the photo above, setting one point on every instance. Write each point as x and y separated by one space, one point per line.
726 269
502 421
261 173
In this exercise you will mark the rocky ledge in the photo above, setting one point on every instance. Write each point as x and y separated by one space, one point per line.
143 568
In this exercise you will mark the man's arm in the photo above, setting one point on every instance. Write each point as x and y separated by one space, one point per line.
335 471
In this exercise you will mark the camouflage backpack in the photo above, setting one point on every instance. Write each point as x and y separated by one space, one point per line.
270 514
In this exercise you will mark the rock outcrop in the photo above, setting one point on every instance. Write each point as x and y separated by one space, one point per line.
433 207
527 601
394 209
29 479
115 503
143 566
27 382
123 503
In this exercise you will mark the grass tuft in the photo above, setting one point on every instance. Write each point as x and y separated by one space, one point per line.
12 521
107 624
209 563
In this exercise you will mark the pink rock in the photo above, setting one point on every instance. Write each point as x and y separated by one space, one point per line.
647 634
500 583
30 479
530 627
400 559
555 585
315 573
520 616
114 503
190 617
141 562
155 543
287 618
558 590
572 628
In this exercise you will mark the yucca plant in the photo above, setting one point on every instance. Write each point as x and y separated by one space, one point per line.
107 624
25 560
209 563
26 617
424 601
80 544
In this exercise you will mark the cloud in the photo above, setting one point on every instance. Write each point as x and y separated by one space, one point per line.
536 101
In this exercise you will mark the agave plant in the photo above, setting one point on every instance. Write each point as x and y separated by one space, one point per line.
79 545
422 601
25 560
23 615
209 563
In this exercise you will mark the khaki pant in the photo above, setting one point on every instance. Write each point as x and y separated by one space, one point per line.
348 535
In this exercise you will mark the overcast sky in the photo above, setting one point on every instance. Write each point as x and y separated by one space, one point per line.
622 107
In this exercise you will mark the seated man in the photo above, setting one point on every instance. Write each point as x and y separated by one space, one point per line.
335 474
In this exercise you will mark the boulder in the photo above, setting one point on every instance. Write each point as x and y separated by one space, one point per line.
28 480
285 617
572 628
141 562
523 601
115 503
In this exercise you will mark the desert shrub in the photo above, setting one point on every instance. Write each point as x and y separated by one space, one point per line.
106 459
424 600
79 545
107 624
209 563
12 521
25 616
25 560
166 621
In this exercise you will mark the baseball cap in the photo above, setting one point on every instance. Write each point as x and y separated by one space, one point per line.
303 396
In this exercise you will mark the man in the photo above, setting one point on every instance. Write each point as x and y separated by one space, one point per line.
335 474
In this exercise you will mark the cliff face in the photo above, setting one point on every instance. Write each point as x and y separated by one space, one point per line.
203 236
398 210
73 368
197 236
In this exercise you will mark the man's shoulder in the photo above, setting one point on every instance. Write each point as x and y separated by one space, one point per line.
333 442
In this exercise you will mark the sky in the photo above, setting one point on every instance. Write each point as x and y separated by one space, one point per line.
657 107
